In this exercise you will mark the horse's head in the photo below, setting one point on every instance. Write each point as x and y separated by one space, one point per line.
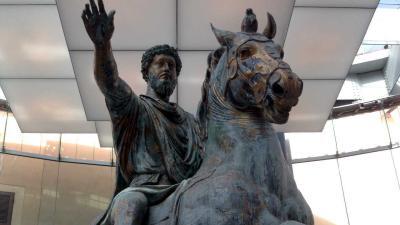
252 74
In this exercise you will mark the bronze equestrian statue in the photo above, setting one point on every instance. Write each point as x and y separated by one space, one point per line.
244 178
157 143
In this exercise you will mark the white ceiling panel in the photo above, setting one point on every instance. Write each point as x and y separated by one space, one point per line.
194 18
104 132
47 105
338 3
314 106
29 2
129 70
191 79
138 24
32 43
322 42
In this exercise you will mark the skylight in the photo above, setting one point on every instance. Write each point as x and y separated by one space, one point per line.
383 28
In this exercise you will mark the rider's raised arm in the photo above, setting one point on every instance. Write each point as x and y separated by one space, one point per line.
100 27
116 91
105 68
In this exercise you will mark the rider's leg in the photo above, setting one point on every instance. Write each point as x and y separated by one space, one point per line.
129 208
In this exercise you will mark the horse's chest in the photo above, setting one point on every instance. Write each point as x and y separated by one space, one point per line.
229 198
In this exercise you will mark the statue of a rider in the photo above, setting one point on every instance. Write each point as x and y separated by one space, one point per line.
156 142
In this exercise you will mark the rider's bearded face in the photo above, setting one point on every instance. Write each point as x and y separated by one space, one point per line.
162 75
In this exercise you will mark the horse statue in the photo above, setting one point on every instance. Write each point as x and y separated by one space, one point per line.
245 178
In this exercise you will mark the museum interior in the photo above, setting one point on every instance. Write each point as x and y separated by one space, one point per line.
57 165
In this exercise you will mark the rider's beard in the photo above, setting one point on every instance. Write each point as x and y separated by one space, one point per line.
163 87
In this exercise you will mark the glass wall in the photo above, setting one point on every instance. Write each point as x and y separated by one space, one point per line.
348 170
370 188
393 122
320 184
370 129
83 148
348 173
57 193
317 144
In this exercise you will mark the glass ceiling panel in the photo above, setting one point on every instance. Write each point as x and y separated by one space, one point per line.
138 24
191 79
315 104
53 106
27 2
128 63
104 132
32 43
338 3
383 27
338 32
194 18
389 2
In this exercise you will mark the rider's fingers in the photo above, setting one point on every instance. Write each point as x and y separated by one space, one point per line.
87 10
101 6
85 18
111 16
95 11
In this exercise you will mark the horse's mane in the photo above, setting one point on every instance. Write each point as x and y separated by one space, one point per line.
203 108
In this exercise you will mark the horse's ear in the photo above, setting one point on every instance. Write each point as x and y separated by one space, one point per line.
225 38
270 29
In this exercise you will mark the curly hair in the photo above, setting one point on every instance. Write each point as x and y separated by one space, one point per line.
148 56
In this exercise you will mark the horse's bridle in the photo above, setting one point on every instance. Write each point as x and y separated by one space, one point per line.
238 67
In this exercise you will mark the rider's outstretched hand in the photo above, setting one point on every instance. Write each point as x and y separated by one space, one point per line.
98 24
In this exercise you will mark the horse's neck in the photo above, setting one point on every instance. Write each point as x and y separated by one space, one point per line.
251 149
240 141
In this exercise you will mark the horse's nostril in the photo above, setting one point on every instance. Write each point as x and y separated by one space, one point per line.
277 89
274 78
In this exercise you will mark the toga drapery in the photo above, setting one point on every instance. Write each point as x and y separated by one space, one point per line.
157 143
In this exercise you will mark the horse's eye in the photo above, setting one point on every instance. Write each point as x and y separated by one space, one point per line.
244 53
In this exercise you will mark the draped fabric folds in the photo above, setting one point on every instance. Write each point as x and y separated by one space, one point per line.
157 145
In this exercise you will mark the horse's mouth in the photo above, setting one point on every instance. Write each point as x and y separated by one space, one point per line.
275 113
282 112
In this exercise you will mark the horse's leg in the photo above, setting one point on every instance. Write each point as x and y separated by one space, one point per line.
267 218
291 222
129 208
295 208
